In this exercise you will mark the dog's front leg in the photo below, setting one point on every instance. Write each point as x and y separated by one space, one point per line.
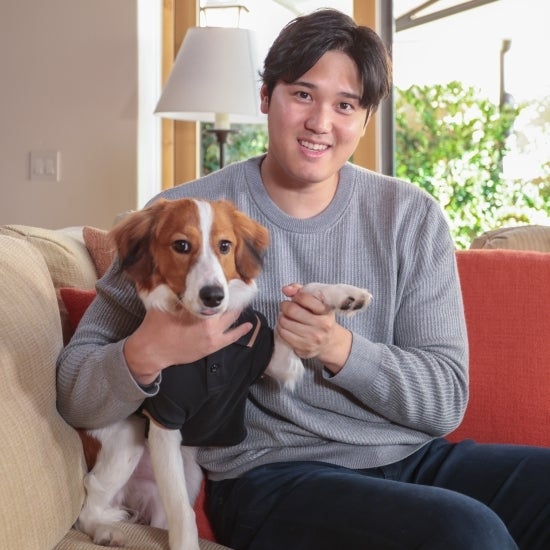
167 460
285 366
122 445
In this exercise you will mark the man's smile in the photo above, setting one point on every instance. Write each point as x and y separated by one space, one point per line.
313 146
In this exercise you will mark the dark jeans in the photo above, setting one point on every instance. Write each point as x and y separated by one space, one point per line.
444 497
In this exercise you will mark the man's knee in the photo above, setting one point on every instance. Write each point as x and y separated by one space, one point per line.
464 524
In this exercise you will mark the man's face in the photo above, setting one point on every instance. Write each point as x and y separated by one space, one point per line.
315 123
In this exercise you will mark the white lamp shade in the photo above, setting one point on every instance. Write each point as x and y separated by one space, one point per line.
216 72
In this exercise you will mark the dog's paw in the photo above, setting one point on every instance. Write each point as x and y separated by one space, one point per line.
345 299
190 543
109 535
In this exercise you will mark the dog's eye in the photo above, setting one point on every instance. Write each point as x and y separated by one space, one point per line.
181 247
224 247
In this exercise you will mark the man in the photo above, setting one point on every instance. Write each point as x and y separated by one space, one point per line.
354 457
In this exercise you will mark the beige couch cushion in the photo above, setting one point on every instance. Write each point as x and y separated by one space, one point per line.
524 237
66 256
139 537
41 464
64 251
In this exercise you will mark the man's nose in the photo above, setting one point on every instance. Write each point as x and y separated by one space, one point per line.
319 120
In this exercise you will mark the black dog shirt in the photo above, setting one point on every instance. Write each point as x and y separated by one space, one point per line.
206 399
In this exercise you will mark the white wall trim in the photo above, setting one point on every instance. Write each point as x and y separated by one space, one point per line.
149 76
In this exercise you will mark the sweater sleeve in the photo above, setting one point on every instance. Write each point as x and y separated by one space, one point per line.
420 380
94 385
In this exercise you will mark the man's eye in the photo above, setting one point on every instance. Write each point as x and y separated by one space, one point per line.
224 247
181 247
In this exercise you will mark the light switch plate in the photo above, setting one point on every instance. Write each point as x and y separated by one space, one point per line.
45 165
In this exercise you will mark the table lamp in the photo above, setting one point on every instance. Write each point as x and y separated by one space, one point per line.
215 78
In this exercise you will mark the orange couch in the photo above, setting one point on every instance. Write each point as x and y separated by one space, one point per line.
507 306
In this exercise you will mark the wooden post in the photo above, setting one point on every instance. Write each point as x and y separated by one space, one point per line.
180 140
367 153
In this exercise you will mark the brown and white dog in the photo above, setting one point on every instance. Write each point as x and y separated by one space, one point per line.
202 257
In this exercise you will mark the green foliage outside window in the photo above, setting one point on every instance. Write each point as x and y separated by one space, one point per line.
453 144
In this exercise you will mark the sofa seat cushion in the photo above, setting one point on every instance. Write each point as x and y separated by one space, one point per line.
507 303
41 464
139 537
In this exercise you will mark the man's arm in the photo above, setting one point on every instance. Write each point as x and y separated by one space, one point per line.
115 359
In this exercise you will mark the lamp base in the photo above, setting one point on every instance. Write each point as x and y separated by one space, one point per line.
221 138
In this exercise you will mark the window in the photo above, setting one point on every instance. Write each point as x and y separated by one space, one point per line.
488 53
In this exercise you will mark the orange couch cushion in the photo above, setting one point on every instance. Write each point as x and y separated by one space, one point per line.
507 306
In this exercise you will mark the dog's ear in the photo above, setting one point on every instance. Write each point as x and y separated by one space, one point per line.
132 237
252 242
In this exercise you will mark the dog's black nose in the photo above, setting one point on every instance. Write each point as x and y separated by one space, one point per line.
211 295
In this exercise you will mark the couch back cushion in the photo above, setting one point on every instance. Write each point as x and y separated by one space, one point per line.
67 259
522 237
41 465
507 306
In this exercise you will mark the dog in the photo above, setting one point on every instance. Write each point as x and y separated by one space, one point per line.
201 257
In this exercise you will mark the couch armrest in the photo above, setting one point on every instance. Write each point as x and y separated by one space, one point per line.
42 462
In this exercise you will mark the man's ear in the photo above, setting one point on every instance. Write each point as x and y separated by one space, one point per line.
264 105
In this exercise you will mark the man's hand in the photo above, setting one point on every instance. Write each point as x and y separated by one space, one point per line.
163 340
311 330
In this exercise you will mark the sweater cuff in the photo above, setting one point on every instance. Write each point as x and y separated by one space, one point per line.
123 384
361 367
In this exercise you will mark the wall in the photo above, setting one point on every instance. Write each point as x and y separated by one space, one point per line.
68 82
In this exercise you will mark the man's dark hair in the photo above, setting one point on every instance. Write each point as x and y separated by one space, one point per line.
303 41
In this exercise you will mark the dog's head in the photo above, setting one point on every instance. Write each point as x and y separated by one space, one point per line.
196 254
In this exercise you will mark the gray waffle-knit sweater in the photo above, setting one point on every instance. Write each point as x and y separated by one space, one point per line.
405 381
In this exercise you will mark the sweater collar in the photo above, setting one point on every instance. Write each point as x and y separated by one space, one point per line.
328 217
